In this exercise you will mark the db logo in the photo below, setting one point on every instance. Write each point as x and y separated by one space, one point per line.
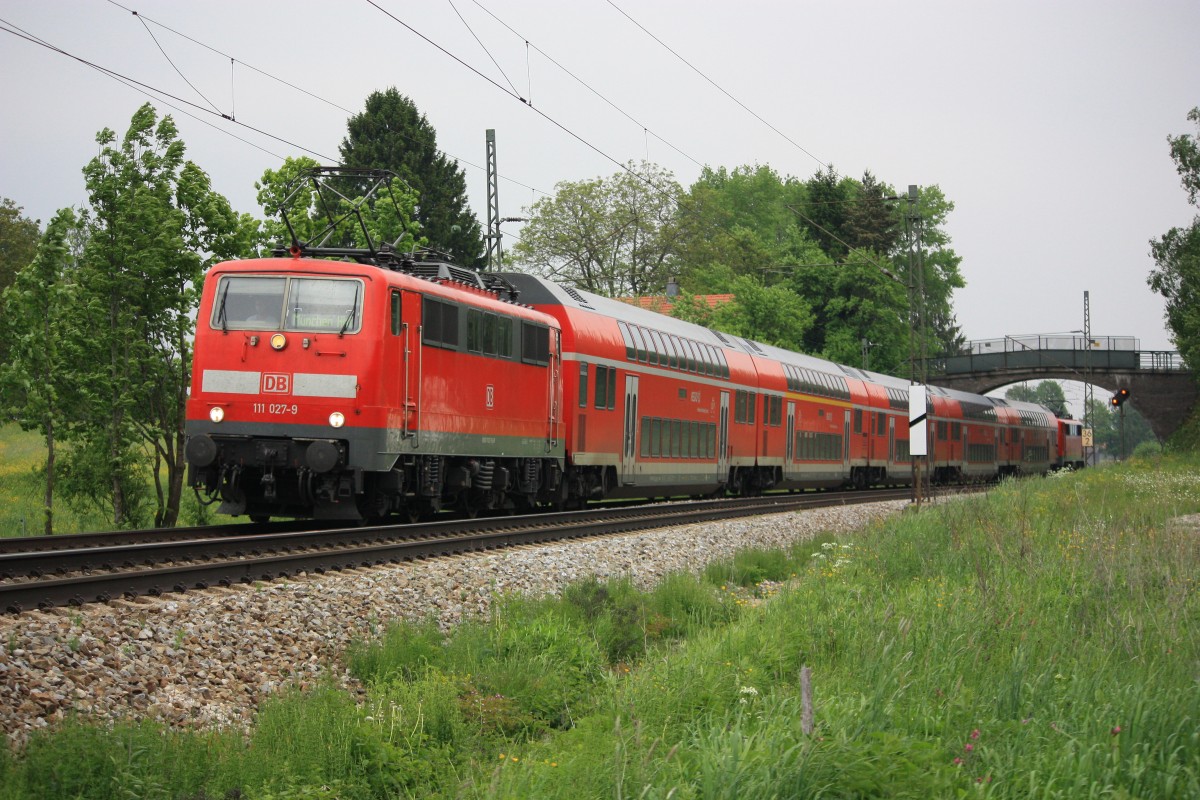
491 396
276 383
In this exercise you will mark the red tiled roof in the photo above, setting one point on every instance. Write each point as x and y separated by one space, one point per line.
662 305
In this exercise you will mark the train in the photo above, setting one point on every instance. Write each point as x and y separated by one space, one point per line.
398 386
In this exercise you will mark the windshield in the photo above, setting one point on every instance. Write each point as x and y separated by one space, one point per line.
262 303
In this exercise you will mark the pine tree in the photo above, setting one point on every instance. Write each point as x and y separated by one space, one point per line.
392 134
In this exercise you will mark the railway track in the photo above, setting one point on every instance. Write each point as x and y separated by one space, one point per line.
99 567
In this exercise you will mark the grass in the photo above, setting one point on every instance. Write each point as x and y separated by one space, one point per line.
1041 641
23 487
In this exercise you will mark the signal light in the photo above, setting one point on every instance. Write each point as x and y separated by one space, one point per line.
1119 398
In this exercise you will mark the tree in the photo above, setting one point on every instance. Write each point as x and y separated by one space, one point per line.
826 212
611 236
32 313
153 225
1177 253
18 243
741 220
1047 393
872 221
941 275
769 314
392 134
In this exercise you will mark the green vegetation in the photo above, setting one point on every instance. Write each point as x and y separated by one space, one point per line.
23 484
814 265
1177 252
1037 642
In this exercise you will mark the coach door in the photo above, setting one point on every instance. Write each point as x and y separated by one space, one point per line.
789 445
723 440
629 449
404 365
890 458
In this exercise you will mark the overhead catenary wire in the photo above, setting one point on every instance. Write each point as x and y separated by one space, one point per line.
178 72
716 85
148 88
625 167
303 91
14 30
529 45
467 25
132 83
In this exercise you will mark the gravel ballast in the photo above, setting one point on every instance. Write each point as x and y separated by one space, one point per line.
206 659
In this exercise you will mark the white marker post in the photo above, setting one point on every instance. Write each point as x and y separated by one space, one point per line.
918 439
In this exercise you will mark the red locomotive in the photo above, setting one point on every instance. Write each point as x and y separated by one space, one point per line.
351 391
1069 454
385 385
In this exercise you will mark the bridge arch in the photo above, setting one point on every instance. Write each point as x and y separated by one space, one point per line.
1159 384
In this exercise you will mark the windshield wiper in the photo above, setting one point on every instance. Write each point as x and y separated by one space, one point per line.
350 316
221 308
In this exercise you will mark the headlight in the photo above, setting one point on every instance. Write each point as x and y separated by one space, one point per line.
278 341
337 419
216 413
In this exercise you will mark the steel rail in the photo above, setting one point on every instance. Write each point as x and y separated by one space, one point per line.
364 547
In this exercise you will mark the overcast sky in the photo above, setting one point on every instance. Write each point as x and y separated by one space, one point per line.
1044 122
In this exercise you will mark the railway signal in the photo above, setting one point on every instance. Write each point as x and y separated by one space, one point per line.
1118 399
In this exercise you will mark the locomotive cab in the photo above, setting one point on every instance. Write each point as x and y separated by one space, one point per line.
350 391
279 355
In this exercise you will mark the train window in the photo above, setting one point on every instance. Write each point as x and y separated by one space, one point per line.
601 398
724 364
739 407
324 304
489 334
858 428
672 351
583 381
431 321
676 438
645 437
612 388
955 430
504 336
691 354
659 356
751 402
777 411
639 338
439 325
396 322
535 343
474 338
694 441
655 437
630 348
253 302
880 424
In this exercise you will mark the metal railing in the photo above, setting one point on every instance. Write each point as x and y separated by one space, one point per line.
1051 341
1047 352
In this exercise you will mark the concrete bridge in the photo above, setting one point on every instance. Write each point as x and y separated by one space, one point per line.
1160 385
